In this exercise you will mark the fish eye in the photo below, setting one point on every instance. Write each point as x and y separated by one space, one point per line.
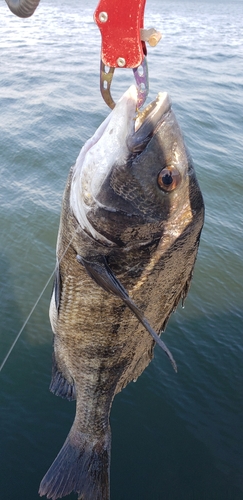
168 179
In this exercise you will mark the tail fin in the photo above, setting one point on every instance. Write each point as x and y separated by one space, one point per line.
82 466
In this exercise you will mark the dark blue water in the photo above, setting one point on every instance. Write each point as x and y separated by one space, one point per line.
175 437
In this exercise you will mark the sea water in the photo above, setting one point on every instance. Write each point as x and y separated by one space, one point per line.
174 436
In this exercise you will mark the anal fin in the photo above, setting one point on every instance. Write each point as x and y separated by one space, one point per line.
60 386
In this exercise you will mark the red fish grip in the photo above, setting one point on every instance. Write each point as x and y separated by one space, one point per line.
120 22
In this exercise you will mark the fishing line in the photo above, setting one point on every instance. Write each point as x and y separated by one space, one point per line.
26 321
34 306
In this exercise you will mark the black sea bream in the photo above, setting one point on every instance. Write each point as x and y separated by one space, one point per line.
129 233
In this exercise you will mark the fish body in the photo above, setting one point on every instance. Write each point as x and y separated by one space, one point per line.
130 226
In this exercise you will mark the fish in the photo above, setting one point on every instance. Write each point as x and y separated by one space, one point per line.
130 226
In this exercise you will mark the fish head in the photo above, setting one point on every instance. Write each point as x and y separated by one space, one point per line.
134 179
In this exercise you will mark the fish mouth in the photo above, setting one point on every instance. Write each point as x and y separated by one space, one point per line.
148 121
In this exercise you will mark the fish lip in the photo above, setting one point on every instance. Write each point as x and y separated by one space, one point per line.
147 122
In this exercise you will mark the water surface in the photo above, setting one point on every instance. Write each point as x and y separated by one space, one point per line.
175 437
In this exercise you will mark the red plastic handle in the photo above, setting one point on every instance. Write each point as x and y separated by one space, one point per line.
120 22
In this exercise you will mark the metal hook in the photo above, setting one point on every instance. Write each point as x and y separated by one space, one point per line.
105 84
141 77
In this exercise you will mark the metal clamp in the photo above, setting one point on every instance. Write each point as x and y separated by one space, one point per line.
123 44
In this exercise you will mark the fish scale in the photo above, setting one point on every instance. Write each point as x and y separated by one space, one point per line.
124 262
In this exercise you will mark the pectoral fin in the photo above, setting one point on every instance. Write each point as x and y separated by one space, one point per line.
101 273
